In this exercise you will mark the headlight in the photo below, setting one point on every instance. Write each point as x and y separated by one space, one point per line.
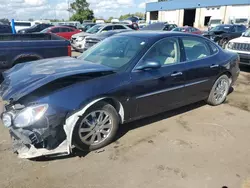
7 119
230 45
80 39
30 115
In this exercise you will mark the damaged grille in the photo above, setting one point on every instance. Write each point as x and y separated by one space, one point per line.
241 47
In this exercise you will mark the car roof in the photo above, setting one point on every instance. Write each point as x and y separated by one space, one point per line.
154 34
60 27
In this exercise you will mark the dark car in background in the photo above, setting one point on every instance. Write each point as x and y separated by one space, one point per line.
53 105
20 48
35 28
5 29
94 39
86 26
159 26
188 29
223 33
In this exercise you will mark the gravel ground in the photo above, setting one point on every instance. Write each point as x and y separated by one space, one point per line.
195 146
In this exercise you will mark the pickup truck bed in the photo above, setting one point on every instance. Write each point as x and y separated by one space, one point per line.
19 48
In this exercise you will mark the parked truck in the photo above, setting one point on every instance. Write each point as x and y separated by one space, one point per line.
22 48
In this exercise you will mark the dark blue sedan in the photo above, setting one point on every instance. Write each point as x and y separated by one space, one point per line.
53 105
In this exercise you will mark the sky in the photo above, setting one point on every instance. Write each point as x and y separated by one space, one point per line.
51 9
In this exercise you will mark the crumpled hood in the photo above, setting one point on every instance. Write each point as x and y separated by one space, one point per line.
24 78
82 34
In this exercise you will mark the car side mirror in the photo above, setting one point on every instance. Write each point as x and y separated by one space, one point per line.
149 65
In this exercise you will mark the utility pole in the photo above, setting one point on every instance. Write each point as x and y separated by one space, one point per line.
69 8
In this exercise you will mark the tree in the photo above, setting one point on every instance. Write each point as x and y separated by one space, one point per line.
81 11
138 14
31 19
4 21
110 18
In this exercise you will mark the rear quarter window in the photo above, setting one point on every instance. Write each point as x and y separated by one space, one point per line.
214 48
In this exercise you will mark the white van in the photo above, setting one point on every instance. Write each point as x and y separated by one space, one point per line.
213 22
23 25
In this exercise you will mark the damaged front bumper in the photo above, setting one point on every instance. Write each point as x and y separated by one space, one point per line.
29 146
49 137
43 138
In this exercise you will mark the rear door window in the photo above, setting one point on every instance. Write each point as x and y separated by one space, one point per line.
195 48
119 27
213 47
64 30
108 28
165 52
55 30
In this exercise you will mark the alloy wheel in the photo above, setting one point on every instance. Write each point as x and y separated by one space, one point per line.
221 90
95 127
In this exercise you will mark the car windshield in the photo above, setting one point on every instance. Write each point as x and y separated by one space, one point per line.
115 52
221 28
94 29
247 33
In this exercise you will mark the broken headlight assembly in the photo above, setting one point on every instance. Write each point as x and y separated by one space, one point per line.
26 117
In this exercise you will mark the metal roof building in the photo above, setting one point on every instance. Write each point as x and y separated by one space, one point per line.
197 12
189 4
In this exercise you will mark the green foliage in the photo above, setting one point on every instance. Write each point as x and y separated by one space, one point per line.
94 20
54 20
81 11
110 18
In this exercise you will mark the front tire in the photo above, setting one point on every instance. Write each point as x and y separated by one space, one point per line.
96 128
219 91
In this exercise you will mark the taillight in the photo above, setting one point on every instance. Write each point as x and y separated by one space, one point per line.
69 51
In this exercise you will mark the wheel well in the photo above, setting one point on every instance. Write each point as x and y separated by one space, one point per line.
228 74
26 59
117 105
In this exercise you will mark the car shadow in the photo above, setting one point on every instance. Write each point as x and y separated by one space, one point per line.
124 129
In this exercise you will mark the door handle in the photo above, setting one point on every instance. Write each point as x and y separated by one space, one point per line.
176 74
214 66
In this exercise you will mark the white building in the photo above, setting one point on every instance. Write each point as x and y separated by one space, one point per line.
199 13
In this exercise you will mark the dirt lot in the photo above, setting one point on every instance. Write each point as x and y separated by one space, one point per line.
196 146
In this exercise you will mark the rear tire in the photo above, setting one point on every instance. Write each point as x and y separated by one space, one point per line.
219 91
96 128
